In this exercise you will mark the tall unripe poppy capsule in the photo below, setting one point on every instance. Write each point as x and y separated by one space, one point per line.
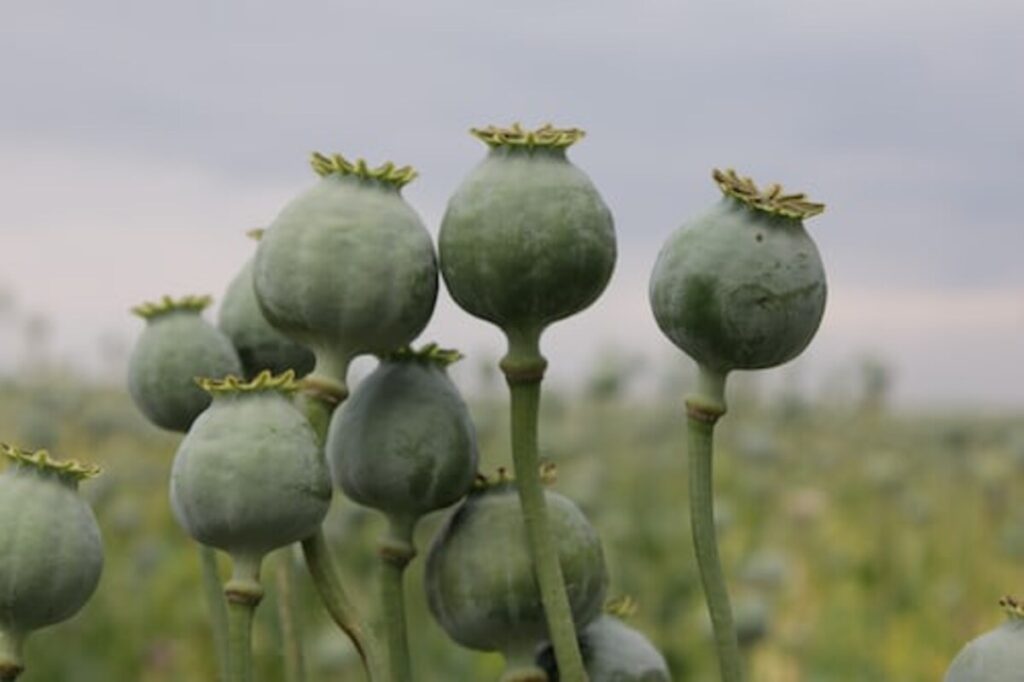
347 268
526 239
741 286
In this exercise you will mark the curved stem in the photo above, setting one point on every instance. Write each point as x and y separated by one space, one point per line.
320 563
216 608
243 593
703 410
325 577
294 663
396 551
524 368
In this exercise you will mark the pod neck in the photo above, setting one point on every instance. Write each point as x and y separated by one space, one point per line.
11 662
527 152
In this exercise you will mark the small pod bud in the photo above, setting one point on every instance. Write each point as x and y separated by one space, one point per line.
177 346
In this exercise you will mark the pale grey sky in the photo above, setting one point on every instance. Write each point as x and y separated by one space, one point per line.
137 142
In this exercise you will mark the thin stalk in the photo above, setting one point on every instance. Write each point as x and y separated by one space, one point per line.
703 410
524 369
216 608
326 578
319 406
396 551
243 593
294 663
11 665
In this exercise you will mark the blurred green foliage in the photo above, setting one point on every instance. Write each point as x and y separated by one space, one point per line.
861 545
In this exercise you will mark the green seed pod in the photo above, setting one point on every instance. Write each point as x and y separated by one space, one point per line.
176 347
348 268
248 477
613 652
996 656
526 239
479 577
742 286
403 443
51 553
260 346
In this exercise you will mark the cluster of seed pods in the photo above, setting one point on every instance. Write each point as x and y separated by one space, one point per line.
269 428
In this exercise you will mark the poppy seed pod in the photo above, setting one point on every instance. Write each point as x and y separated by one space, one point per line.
996 656
526 239
177 346
260 346
51 553
614 652
347 267
742 286
479 577
403 442
248 477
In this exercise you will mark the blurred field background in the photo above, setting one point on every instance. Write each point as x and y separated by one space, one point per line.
862 543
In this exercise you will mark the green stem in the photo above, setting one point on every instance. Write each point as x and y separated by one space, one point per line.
294 665
11 664
703 410
396 551
524 369
216 608
326 578
319 407
243 593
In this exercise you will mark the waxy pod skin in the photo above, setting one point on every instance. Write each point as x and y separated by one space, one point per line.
51 552
348 268
741 286
176 347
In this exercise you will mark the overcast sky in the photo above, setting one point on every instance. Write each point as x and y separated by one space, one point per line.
138 141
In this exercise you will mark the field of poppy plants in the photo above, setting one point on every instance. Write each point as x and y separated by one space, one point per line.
391 528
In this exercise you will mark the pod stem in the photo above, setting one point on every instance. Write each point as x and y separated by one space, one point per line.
703 410
395 552
520 667
216 607
524 370
11 664
291 639
243 593
320 562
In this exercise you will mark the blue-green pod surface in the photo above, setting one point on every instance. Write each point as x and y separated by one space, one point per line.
526 239
348 267
479 578
260 347
996 656
742 286
51 553
248 477
177 346
403 443
614 652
